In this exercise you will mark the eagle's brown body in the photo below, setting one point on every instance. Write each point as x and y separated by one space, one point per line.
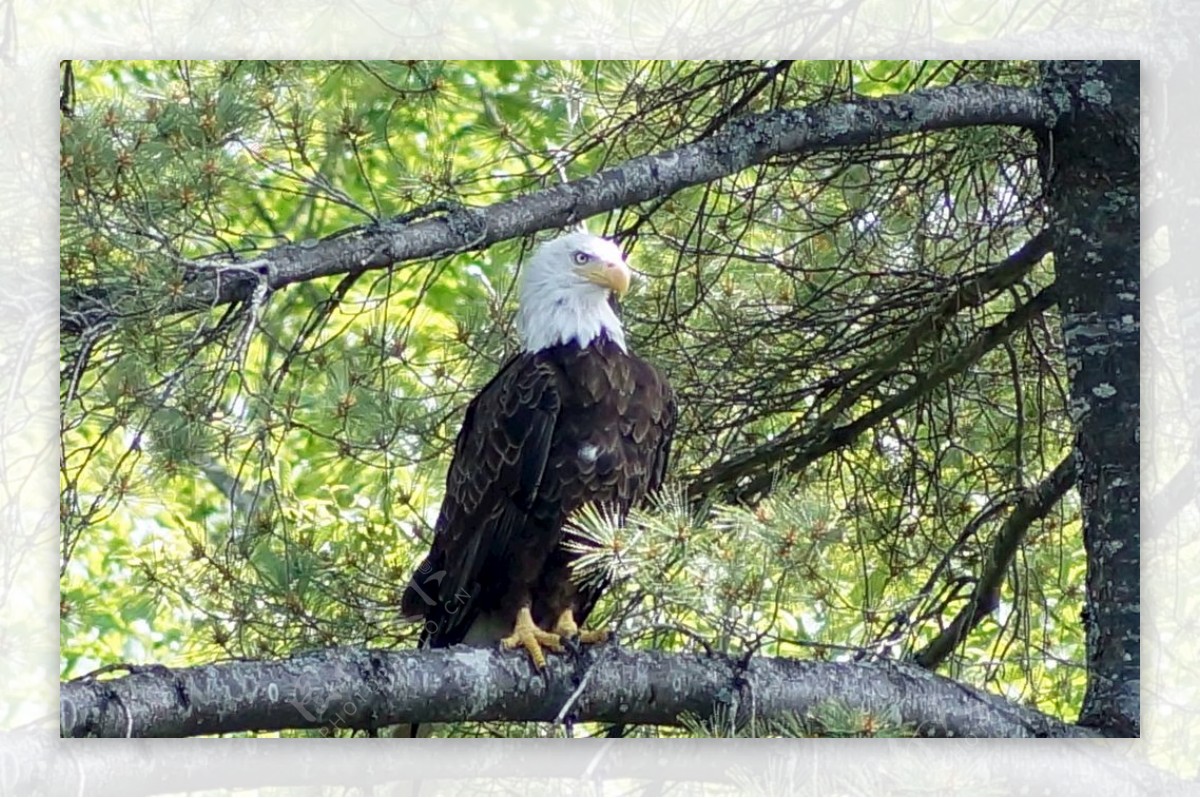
556 429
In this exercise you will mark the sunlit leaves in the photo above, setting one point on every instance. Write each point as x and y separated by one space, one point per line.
260 478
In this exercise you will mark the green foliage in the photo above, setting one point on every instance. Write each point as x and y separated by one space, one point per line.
257 479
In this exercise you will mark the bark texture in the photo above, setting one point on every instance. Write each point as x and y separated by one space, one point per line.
369 689
1090 160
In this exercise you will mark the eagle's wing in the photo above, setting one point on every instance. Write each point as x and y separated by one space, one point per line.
649 423
666 430
499 460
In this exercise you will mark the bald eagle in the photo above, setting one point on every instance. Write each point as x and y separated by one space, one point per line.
572 419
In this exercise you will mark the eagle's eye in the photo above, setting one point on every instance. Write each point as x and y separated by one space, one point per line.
581 258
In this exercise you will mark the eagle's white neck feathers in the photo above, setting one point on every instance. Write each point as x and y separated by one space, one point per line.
557 305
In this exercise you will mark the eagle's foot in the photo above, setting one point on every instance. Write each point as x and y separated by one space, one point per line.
567 629
528 636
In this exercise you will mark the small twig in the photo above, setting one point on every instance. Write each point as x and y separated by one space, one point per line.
583 681
90 676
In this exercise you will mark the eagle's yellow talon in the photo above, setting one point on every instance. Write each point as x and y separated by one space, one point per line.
528 636
566 628
593 635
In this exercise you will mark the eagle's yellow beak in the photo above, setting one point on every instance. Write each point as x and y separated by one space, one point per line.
612 275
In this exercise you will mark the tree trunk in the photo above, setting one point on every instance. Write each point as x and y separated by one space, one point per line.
1090 165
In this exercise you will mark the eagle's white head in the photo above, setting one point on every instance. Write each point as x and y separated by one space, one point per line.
564 292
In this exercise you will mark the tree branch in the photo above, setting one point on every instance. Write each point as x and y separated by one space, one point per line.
751 474
1033 504
740 143
368 689
971 293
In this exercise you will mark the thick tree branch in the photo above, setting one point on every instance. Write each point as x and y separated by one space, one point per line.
364 689
1033 504
751 474
740 143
